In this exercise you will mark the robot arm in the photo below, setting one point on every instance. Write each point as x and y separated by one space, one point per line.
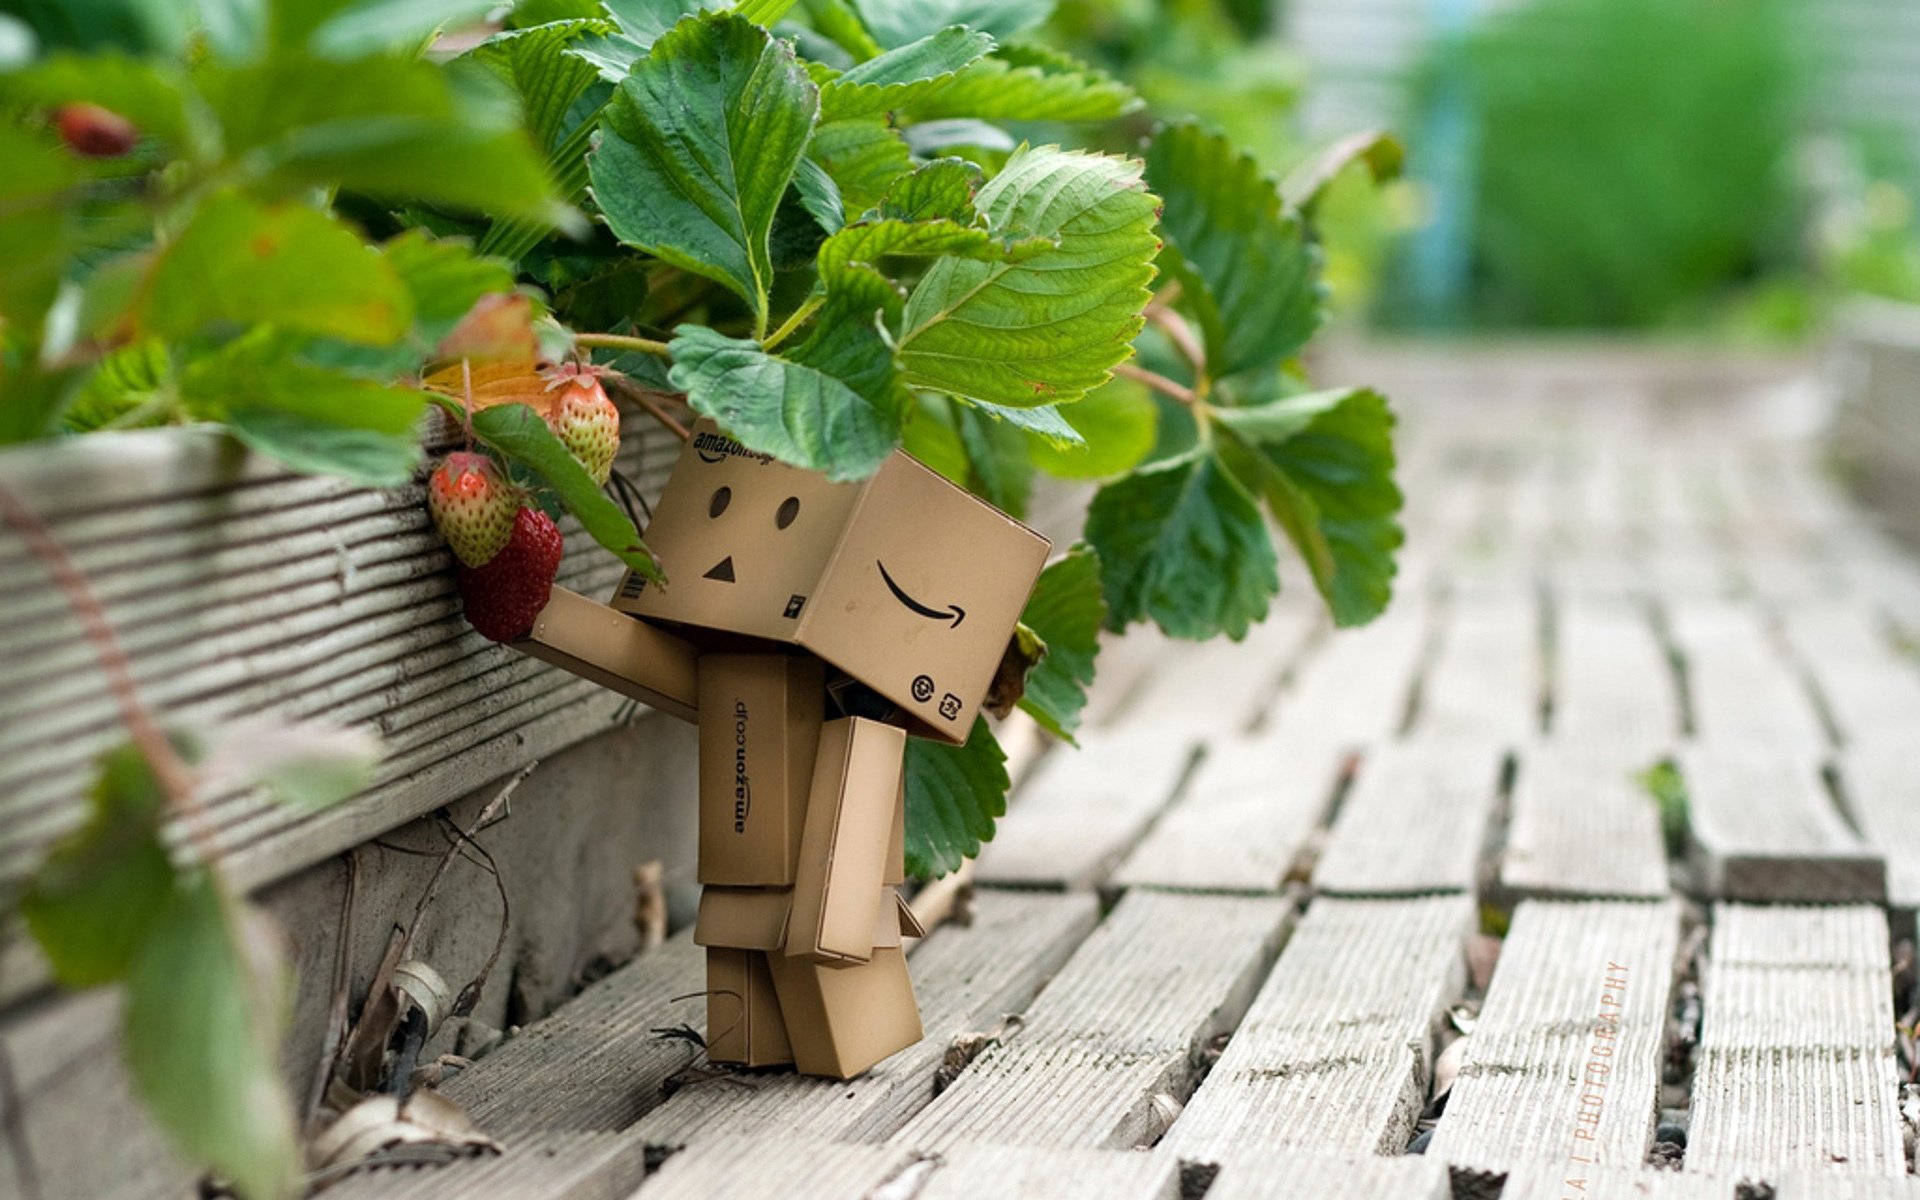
616 651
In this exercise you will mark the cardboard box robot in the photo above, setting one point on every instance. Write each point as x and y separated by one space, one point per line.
809 628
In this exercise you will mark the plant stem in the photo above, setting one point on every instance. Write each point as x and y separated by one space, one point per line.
619 341
1181 335
1158 382
793 322
650 400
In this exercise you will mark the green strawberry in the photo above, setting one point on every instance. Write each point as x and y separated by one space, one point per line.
584 420
473 506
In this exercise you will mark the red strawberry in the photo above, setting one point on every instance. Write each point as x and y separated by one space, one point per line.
473 506
504 597
94 132
584 420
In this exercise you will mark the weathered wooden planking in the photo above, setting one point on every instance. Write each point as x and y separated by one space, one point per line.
1252 1175
775 1168
1335 1052
595 1063
1827 1185
1485 680
1611 676
1565 1061
1763 827
1580 824
1243 818
1742 689
540 1166
1111 1047
1881 783
1082 810
1356 686
1795 1068
966 978
1414 820
1871 689
1218 687
1577 1181
1033 1173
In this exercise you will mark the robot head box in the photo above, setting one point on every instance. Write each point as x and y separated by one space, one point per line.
910 585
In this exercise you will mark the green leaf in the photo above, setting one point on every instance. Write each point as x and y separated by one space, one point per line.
286 265
520 434
549 80
701 141
900 76
764 12
1249 272
1382 153
92 902
362 456
940 190
369 27
34 226
998 469
954 796
1050 327
1117 426
306 765
1067 611
1324 463
833 407
863 155
1045 423
156 27
819 195
867 243
994 88
895 23
444 277
1181 543
153 93
207 999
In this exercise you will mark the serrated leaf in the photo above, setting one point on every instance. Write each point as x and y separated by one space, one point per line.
895 23
536 62
819 195
1181 543
1379 150
444 278
700 143
976 141
1116 425
864 156
519 434
994 88
940 190
1049 328
207 998
90 904
998 470
900 76
1324 463
286 265
368 27
1046 422
954 796
1067 611
1250 274
869 242
832 407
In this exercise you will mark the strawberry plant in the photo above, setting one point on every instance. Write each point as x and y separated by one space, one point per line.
814 224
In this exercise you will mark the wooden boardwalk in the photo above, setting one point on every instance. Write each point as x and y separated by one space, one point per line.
1229 947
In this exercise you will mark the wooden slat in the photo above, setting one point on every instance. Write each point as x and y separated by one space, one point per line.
775 1168
1219 687
1032 1173
1580 825
1413 821
1335 1052
966 978
1611 676
1826 1185
1082 810
540 1166
1795 1068
1109 1050
1871 690
594 1064
1356 686
1484 681
1742 689
1554 1181
1764 828
1881 783
1251 1175
1565 1061
1243 818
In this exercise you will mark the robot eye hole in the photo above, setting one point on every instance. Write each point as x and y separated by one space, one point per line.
719 503
789 511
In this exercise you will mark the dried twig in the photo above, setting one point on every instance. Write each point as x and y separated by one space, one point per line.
649 399
454 847
336 1034
1180 334
1158 382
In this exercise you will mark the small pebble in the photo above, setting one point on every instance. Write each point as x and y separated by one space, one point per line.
1419 1144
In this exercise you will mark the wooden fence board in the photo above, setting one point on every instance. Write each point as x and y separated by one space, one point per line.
540 1166
1881 783
1032 1173
779 1169
1485 679
1764 828
1612 679
1871 690
1556 1181
1742 689
1413 821
1356 686
1581 825
1251 1175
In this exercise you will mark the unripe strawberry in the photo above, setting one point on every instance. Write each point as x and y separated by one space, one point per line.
95 132
584 420
504 597
473 506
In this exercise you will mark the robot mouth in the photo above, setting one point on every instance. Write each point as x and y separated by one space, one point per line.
722 570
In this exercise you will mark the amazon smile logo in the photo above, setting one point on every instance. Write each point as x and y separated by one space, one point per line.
712 448
953 612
